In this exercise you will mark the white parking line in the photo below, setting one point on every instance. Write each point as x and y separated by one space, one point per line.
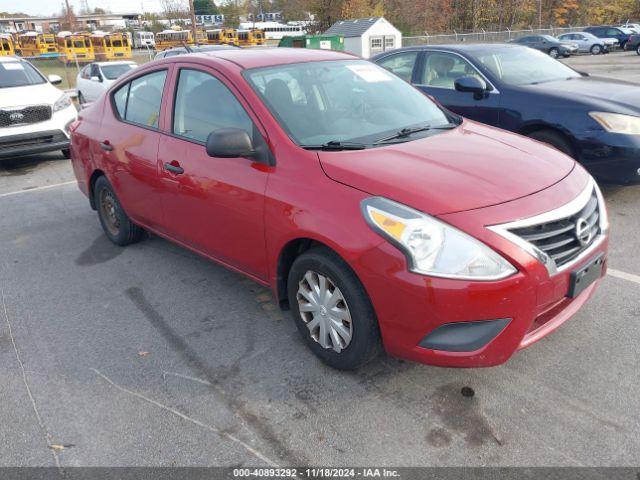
35 189
624 275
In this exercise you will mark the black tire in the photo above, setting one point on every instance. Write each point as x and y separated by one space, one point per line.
81 99
66 152
365 342
555 139
116 224
554 52
638 49
596 49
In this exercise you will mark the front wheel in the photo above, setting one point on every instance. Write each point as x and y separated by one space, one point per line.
638 49
554 53
66 153
596 50
554 139
115 222
332 310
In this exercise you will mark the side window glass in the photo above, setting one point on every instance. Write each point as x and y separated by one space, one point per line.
443 69
145 97
204 104
120 99
400 64
95 72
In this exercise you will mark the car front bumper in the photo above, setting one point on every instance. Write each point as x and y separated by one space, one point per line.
416 313
47 136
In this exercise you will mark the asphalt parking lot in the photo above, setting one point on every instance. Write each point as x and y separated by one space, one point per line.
151 355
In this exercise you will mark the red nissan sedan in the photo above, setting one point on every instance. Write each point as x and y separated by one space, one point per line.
376 216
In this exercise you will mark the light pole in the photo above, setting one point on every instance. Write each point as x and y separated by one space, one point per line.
192 11
539 14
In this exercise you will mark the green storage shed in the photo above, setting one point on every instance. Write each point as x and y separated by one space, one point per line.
323 42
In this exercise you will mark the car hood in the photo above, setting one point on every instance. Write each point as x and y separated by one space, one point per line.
469 167
44 93
604 93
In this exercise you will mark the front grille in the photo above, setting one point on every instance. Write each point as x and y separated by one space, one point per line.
10 117
565 239
30 140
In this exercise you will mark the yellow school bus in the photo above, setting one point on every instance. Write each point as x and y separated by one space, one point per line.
74 47
34 44
6 45
111 46
172 38
222 36
250 38
201 37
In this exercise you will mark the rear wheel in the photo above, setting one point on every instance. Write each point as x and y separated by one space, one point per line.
115 222
554 53
638 49
554 139
66 153
596 50
332 310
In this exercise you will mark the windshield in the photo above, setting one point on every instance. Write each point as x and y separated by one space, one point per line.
342 101
114 71
19 74
524 66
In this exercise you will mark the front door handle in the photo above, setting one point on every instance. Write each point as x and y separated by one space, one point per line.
174 167
106 146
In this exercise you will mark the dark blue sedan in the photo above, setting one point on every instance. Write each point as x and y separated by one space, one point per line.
594 120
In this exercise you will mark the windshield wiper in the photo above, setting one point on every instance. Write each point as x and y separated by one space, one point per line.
406 132
335 146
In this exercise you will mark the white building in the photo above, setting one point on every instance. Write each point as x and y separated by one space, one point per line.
367 36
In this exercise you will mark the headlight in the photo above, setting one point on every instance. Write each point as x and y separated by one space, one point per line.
431 246
617 122
63 102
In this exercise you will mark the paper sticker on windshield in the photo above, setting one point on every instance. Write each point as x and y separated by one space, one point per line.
13 66
370 74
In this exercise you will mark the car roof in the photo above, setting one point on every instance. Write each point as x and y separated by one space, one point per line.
460 48
116 62
10 58
265 57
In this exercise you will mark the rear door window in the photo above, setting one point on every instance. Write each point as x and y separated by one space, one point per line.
400 64
139 101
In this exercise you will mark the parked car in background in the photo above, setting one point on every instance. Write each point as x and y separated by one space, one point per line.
619 33
548 44
586 42
330 180
97 77
634 27
633 43
172 52
34 115
594 120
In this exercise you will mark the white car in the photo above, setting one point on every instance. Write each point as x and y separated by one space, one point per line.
97 77
587 42
35 116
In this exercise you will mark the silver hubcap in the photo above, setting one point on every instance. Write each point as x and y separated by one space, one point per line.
324 310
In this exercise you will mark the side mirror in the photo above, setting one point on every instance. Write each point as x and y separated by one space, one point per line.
96 79
54 79
229 143
471 84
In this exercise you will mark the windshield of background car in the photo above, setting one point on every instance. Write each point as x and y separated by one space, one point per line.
19 74
524 66
114 71
342 101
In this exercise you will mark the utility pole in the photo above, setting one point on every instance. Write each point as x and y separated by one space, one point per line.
69 20
192 11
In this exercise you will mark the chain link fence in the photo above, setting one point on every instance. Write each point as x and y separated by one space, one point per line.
56 64
485 36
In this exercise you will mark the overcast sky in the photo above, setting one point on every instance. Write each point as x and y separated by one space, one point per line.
47 7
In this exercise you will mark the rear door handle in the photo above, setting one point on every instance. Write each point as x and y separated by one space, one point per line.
174 168
106 146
